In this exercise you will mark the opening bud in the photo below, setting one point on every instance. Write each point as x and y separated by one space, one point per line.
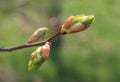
39 56
36 59
76 24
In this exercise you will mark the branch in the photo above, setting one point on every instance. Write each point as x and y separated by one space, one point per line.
66 28
29 45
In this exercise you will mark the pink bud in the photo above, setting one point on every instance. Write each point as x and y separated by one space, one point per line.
68 23
39 34
45 49
33 38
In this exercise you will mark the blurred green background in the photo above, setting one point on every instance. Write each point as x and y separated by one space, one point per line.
90 56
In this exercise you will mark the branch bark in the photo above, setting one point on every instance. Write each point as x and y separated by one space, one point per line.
8 49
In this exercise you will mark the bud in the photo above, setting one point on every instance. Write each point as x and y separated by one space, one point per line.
38 35
76 24
36 60
68 23
39 56
45 49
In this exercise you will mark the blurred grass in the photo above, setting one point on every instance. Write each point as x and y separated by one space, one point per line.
89 56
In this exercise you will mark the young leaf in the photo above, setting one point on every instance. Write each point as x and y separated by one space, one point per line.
36 60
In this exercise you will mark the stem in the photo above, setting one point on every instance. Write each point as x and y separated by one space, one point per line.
52 37
29 45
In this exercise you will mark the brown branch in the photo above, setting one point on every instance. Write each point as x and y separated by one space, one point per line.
29 45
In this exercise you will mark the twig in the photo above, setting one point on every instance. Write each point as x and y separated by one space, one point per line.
29 45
